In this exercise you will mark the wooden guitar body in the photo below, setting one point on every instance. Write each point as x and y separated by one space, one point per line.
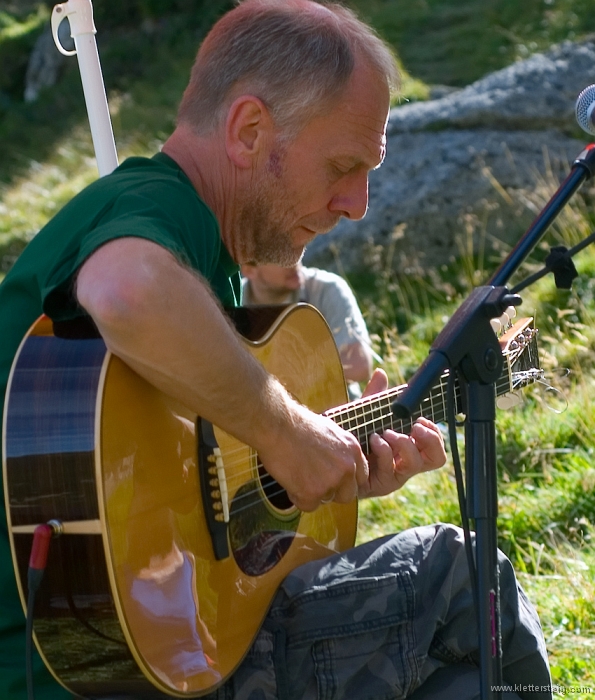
174 539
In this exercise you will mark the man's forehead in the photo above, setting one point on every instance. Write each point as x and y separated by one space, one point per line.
364 113
361 146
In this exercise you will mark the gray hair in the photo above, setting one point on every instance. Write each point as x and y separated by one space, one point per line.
295 55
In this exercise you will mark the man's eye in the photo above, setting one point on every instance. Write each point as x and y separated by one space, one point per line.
340 169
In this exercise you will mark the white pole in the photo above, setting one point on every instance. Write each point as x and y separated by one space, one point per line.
82 30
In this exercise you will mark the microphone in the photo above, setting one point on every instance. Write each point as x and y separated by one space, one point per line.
585 109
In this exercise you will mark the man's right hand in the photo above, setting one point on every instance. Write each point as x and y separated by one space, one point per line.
314 460
163 321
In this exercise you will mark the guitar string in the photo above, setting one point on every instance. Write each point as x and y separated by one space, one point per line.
373 417
253 458
371 403
238 499
363 419
271 494
233 457
345 416
503 382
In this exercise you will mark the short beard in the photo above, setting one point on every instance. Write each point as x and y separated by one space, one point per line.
264 221
271 244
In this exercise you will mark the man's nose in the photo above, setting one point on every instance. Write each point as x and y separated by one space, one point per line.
351 198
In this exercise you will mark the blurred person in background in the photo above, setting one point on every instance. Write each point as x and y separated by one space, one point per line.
331 295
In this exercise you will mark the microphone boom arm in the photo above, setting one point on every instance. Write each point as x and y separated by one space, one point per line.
582 169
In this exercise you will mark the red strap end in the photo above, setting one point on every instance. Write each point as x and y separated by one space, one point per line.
41 544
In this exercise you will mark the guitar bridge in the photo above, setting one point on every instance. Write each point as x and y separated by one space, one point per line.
213 486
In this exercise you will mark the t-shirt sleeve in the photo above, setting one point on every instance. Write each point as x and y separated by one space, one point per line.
142 214
337 303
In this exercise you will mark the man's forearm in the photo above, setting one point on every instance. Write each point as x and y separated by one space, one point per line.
163 321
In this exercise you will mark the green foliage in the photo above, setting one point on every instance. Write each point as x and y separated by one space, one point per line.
135 56
115 13
454 43
546 445
18 33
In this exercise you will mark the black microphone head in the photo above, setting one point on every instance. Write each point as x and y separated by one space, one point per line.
585 109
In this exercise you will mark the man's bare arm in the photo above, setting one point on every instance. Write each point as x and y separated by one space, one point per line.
163 321
356 359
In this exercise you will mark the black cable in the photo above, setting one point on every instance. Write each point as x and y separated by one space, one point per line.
76 613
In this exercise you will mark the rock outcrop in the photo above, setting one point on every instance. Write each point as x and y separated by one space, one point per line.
463 167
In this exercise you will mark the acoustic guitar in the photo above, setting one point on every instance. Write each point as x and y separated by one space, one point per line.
173 537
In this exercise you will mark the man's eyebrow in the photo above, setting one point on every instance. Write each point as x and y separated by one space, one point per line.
356 161
382 157
347 160
381 161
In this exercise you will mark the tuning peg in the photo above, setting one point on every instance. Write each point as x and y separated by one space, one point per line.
507 316
496 325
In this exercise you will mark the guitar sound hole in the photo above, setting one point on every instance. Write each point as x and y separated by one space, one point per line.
259 535
275 493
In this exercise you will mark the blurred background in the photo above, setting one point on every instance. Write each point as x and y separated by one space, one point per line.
546 444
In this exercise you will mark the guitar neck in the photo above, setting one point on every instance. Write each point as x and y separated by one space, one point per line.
371 415
364 417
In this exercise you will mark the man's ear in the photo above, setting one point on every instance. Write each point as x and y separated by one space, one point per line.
248 130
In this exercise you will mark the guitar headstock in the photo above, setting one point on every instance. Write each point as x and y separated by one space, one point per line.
521 360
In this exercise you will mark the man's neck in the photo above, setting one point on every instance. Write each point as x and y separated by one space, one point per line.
202 161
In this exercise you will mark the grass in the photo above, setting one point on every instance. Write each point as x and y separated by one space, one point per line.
454 43
545 446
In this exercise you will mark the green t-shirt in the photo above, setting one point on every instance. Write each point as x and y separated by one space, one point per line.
145 198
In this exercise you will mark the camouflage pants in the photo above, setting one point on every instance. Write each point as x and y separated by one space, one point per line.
378 621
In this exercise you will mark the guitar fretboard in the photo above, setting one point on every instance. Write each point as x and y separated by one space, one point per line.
365 417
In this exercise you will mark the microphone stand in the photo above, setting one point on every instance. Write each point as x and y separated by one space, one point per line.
468 346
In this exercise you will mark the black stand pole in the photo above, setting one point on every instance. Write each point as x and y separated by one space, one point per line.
468 346
482 507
